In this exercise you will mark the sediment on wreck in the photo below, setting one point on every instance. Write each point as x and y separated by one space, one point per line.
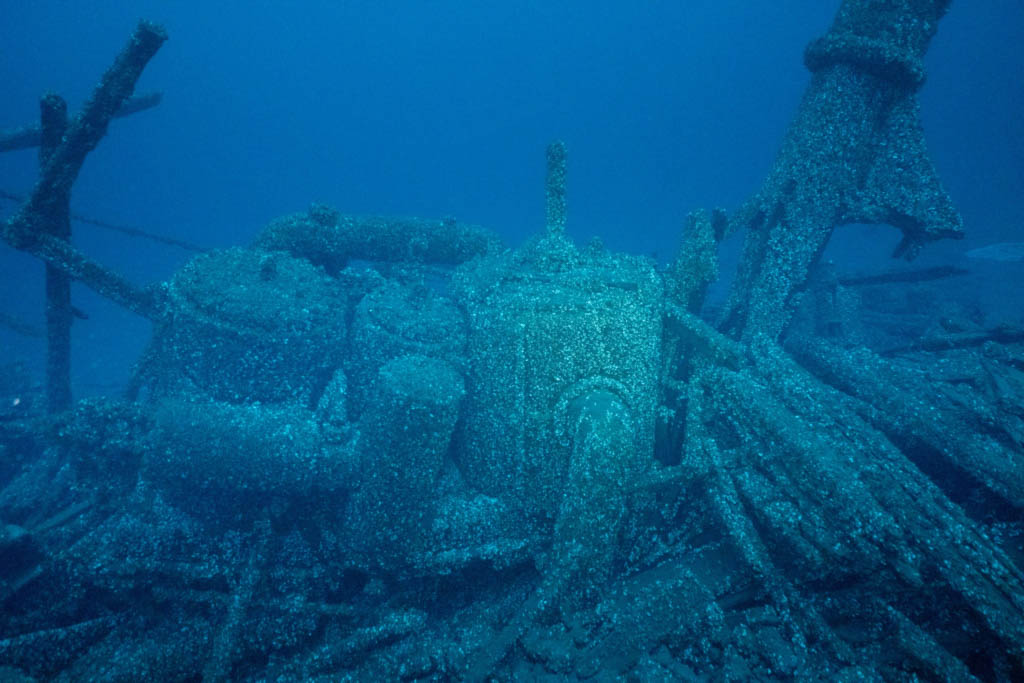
831 501
550 466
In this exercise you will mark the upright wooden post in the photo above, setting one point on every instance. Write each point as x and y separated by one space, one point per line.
555 188
56 221
42 225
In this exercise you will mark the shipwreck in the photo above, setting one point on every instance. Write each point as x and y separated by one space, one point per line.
394 449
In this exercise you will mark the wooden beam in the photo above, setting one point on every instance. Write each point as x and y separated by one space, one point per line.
855 153
56 221
27 229
29 136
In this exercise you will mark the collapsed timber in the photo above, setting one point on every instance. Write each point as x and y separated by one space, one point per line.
391 449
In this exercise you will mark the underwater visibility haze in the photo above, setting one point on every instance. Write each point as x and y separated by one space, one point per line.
512 341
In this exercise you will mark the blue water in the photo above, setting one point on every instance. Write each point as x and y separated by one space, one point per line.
437 109
444 110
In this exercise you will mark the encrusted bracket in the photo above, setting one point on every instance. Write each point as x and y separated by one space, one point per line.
855 153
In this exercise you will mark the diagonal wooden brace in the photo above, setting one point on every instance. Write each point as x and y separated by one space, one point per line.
855 153
26 230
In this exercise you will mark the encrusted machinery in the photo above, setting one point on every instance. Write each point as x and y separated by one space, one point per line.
557 337
390 449
247 325
548 358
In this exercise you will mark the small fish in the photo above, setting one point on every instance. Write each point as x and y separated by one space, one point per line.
1002 251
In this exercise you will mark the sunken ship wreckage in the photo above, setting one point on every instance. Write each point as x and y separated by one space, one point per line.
391 449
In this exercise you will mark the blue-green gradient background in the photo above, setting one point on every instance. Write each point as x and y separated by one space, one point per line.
444 108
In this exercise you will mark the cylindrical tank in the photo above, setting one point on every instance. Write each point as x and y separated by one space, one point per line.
405 435
548 326
396 320
249 326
